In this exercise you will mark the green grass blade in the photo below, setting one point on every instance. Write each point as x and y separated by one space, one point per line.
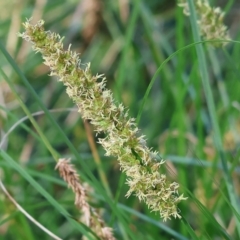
25 109
126 48
165 228
212 109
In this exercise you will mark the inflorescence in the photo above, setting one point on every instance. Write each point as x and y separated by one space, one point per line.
122 137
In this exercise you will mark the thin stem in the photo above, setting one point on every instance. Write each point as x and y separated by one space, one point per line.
33 121
26 214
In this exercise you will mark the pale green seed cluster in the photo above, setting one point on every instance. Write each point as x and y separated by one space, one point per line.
96 104
210 21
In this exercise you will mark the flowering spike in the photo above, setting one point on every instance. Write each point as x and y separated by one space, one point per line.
89 215
96 104
210 21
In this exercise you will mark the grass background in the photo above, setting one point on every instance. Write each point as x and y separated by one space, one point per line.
128 42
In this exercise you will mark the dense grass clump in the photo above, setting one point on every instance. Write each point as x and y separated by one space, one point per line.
175 69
